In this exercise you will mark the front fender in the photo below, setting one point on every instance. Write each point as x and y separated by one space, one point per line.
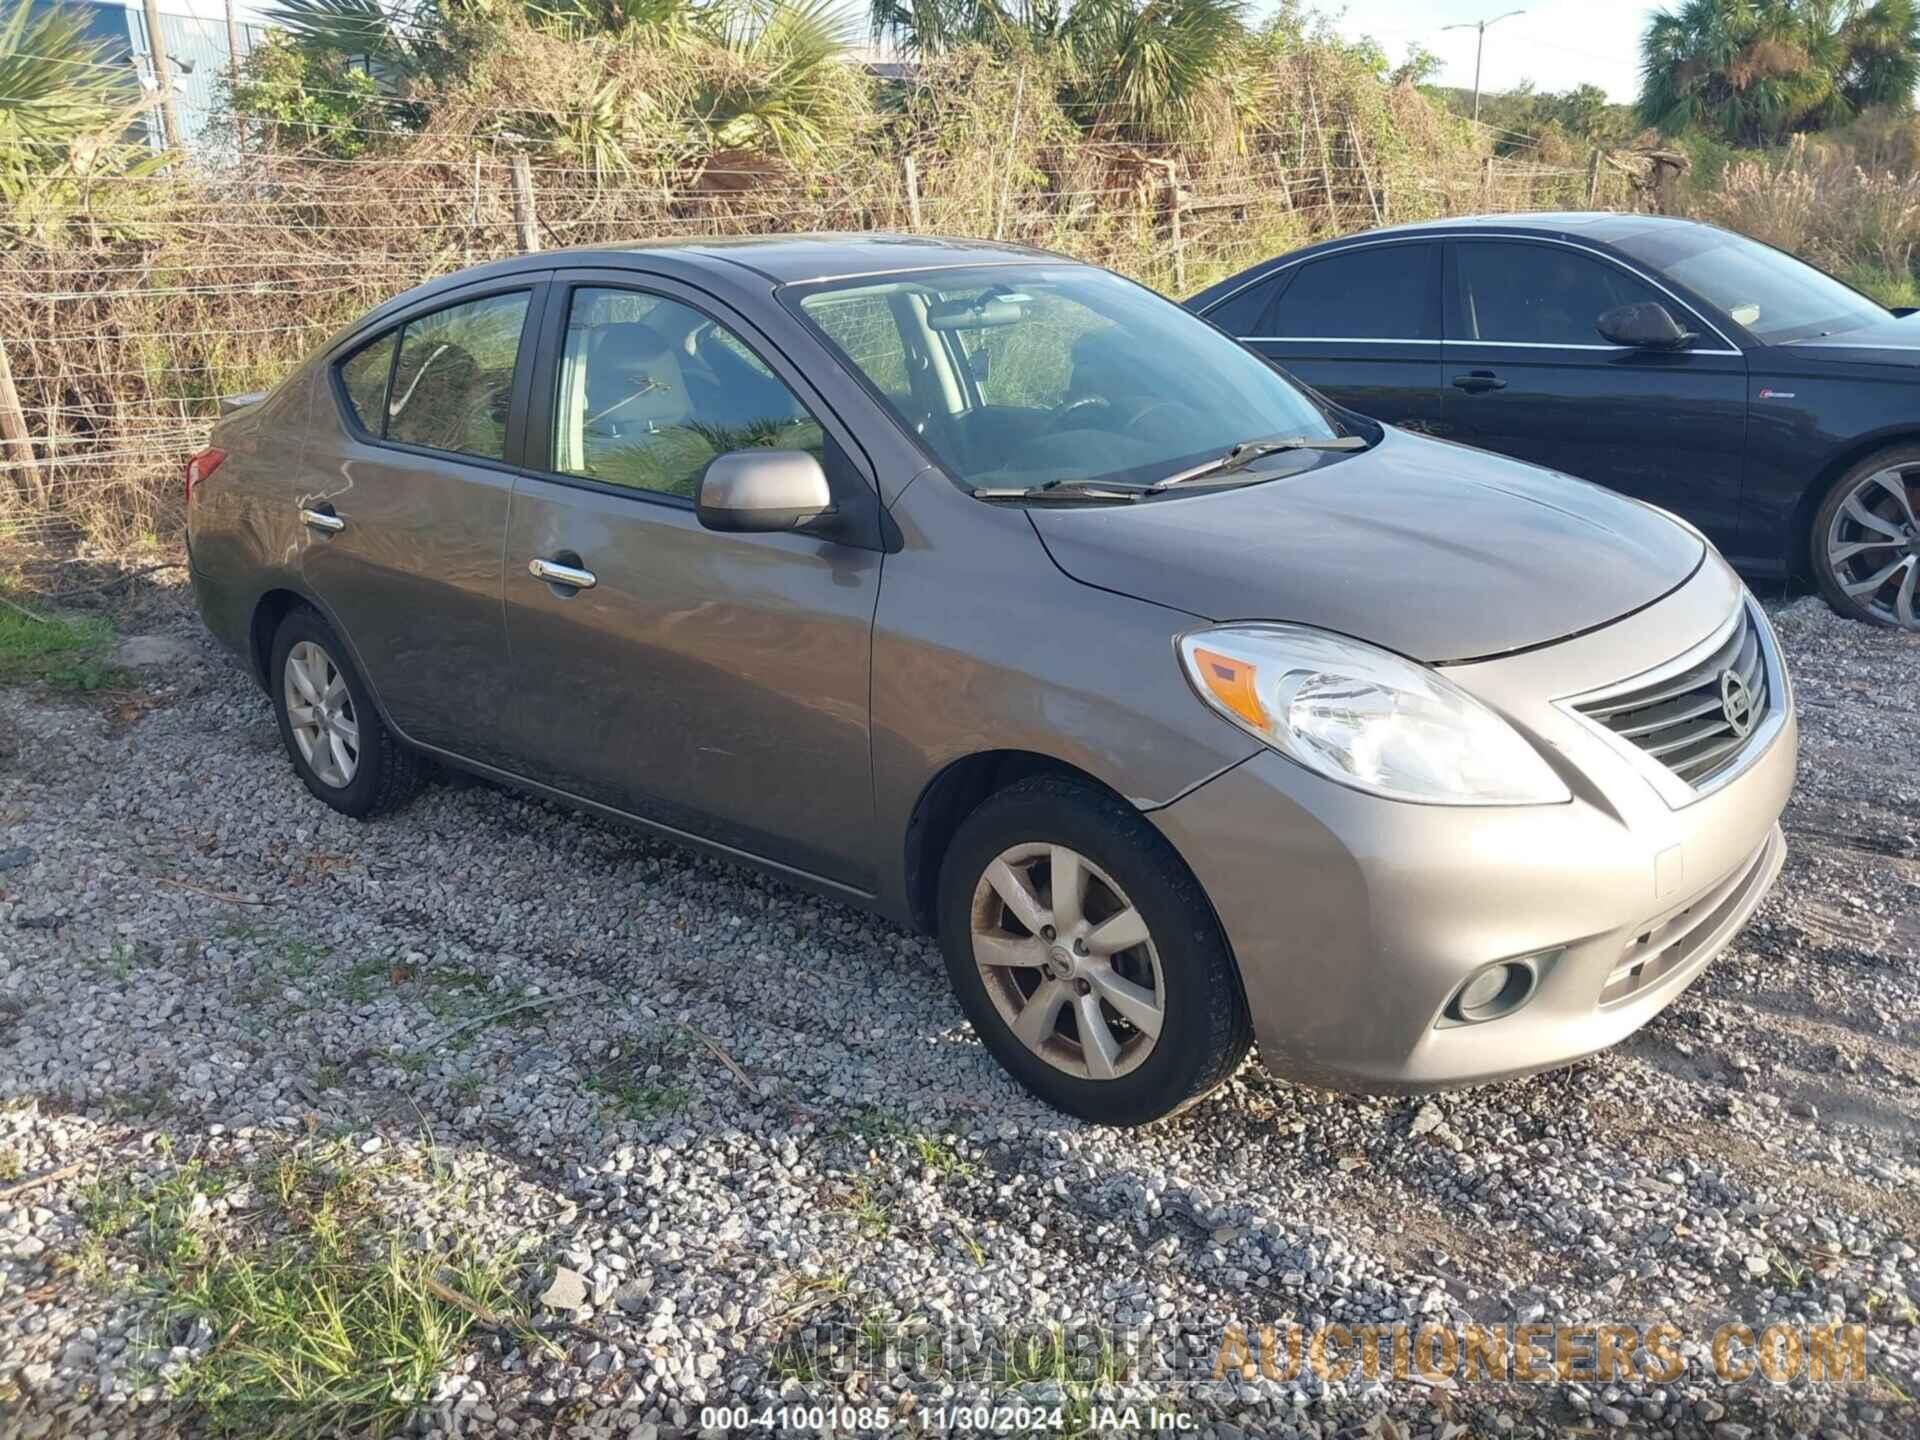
981 644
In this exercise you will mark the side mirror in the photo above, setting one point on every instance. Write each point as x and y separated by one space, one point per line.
1646 326
756 491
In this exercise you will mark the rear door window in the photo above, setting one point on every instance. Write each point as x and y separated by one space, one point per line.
363 375
454 380
1379 292
1244 312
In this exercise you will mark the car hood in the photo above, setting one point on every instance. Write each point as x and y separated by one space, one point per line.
1430 549
1893 341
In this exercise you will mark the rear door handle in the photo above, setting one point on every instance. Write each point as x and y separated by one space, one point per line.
323 519
554 573
1478 382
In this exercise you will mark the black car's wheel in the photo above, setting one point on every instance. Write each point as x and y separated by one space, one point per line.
330 726
1086 955
1866 540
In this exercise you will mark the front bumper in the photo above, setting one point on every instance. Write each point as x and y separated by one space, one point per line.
1355 919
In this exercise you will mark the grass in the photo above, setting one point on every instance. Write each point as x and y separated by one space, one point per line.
322 1320
870 1213
64 652
640 1101
940 1155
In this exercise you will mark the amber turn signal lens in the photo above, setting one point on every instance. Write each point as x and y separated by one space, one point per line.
1231 682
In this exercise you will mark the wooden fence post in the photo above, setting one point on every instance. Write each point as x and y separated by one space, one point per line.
1593 178
1366 171
1486 183
1326 160
913 193
1173 221
1013 142
13 426
523 211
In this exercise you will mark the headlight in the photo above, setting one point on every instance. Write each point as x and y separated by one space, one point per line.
1365 717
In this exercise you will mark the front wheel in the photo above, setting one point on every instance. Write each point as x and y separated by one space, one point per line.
1866 540
1087 956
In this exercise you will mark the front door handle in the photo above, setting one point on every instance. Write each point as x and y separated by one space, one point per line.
322 519
554 573
1478 382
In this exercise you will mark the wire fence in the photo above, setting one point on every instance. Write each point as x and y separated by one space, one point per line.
130 310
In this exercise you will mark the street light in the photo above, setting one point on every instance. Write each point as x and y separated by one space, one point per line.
1479 46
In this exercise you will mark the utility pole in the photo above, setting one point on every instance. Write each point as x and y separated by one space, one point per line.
162 77
1479 49
233 43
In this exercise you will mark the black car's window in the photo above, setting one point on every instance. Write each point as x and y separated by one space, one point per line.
1244 312
363 375
1542 294
455 377
1380 292
1776 297
650 390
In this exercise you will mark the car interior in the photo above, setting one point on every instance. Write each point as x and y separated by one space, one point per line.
651 390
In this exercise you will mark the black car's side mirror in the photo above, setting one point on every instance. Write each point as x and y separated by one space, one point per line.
1645 326
757 491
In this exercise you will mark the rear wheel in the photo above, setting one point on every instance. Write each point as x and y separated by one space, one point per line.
329 725
1866 540
1086 955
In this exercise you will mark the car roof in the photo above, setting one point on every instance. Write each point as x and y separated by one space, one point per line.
1603 227
775 259
782 259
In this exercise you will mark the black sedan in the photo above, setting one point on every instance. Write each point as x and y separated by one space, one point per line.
1765 401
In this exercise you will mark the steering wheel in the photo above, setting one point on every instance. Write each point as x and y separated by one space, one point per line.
1149 408
1063 414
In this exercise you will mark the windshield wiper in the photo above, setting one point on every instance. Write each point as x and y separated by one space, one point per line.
1059 490
1248 451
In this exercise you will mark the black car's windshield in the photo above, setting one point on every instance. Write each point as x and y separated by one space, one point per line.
1017 376
1776 297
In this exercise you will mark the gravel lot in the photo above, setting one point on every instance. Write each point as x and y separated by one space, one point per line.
742 1118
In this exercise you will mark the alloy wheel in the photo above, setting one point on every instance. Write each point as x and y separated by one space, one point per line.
1067 961
320 713
1873 546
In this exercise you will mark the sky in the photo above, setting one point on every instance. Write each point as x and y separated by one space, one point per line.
1557 44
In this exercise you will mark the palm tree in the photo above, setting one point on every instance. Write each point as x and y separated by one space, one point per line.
1755 71
56 86
1145 69
1137 67
1883 59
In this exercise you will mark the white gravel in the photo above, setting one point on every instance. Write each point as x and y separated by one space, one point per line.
735 1116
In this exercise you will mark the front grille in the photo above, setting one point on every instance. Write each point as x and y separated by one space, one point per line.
1690 721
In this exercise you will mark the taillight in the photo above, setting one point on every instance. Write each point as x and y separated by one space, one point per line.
201 466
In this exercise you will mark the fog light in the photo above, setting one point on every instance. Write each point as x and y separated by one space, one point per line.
1497 990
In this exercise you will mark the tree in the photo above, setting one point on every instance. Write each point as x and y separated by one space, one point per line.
1139 67
1752 72
56 85
66 112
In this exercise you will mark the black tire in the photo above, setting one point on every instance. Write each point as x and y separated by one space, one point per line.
387 774
1205 1029
1831 584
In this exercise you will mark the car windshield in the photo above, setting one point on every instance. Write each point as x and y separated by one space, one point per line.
1774 296
1019 376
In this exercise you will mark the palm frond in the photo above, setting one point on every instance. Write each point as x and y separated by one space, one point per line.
56 84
